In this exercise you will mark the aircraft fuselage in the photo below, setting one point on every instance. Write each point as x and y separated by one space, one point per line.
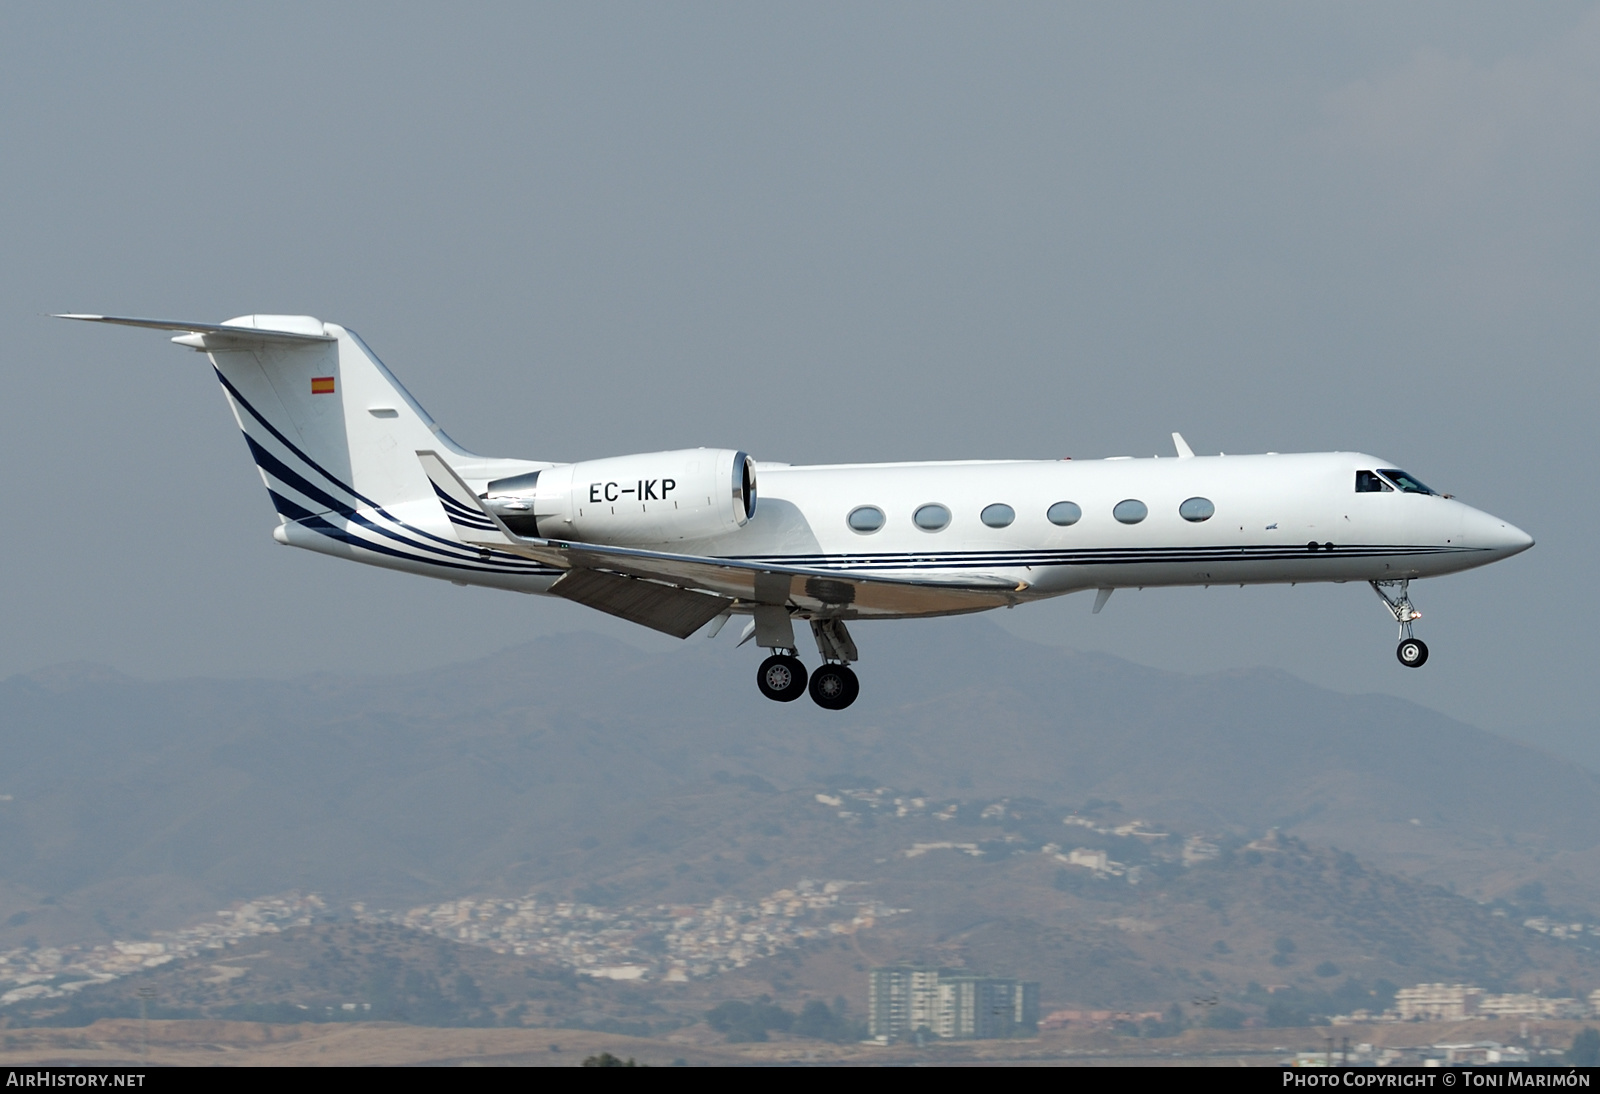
1266 513
683 540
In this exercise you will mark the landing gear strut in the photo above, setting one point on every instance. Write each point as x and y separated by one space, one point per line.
1412 651
782 677
834 686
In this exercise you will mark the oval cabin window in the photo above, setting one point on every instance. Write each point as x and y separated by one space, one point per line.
931 518
1131 511
866 518
998 515
1197 510
1064 513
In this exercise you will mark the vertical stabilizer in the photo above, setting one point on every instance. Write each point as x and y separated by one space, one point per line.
336 438
329 426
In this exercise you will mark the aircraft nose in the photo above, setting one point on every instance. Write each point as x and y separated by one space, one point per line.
1488 532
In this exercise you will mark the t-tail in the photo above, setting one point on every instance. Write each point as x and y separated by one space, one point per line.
329 426
335 436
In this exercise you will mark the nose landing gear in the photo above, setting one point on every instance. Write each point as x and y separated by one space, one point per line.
1412 651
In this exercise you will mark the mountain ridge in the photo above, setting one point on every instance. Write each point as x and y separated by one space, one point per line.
420 785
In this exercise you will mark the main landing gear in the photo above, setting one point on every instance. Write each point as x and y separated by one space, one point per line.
834 687
783 678
1412 651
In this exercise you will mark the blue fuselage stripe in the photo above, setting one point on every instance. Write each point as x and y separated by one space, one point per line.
451 554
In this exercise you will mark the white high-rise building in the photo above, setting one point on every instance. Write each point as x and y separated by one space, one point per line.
902 1000
907 999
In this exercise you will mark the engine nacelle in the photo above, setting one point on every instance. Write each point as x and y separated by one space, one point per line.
654 498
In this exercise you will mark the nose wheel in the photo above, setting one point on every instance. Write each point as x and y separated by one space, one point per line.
782 678
1396 596
1412 652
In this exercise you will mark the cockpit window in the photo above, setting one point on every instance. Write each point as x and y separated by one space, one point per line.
1405 482
1368 482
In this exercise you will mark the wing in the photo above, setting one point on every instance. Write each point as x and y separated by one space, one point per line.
719 582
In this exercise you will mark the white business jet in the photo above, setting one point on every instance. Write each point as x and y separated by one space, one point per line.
678 540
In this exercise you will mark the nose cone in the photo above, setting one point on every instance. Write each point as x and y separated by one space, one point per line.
1517 540
1487 532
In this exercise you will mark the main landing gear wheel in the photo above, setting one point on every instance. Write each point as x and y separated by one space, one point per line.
834 687
781 678
1413 653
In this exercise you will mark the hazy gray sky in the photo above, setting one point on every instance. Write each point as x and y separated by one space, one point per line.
817 232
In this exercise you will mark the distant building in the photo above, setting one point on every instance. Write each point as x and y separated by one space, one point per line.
1527 1006
1453 1002
1438 1002
1065 1019
907 999
1477 1053
977 1007
1510 1006
902 999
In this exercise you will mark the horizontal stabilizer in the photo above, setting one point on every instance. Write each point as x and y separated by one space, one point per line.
235 329
663 608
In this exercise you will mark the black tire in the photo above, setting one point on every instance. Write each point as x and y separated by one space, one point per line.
855 686
781 678
834 687
1412 653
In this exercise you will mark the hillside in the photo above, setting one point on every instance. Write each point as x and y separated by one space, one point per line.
1105 911
132 805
